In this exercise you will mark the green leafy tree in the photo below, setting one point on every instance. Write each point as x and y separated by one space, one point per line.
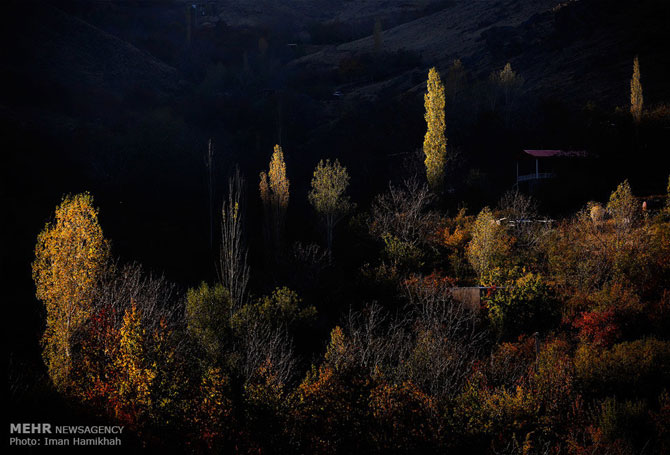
522 302
327 196
435 142
71 256
623 208
282 308
208 313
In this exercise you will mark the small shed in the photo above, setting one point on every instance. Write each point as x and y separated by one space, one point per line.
469 297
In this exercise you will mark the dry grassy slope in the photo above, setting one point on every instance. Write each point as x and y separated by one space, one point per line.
453 32
579 52
67 51
304 12
241 13
456 31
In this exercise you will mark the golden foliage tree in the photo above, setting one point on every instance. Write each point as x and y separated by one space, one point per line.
331 403
136 375
327 196
489 243
213 413
70 257
435 142
149 376
274 189
636 98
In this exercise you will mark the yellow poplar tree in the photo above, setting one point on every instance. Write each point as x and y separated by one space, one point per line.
70 257
274 189
435 142
636 98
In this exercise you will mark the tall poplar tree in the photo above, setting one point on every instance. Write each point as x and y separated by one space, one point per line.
274 189
435 142
636 98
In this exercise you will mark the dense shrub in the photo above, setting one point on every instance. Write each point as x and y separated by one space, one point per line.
518 302
635 368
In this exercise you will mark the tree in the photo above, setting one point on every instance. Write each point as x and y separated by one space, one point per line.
377 35
233 265
636 98
507 83
213 410
521 213
404 418
331 403
70 258
209 163
623 208
274 188
136 374
404 212
489 243
435 143
208 313
329 184
281 309
263 46
147 372
522 304
455 82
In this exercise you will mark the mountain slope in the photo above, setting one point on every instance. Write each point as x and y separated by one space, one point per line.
578 50
52 48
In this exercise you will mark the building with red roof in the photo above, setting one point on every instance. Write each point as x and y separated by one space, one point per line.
533 166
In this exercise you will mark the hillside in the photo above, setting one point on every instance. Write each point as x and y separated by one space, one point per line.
53 51
576 50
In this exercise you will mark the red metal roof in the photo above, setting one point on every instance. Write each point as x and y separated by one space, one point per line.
556 153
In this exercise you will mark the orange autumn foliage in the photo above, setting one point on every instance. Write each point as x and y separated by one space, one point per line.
404 417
